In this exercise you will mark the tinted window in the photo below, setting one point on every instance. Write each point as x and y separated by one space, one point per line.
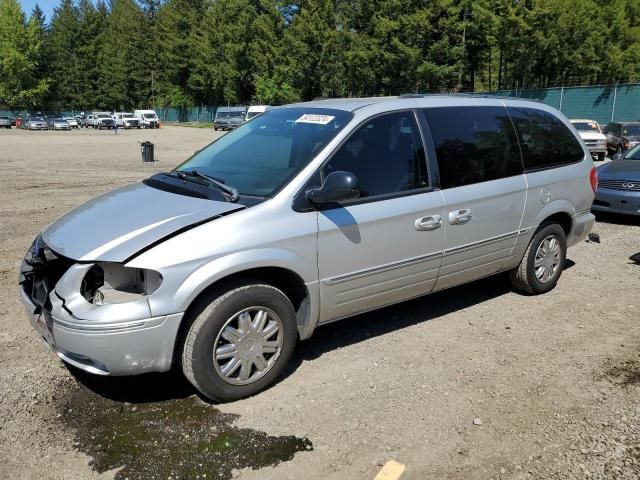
544 139
631 130
385 154
473 144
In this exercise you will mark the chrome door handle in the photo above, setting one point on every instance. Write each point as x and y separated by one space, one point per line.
460 216
428 223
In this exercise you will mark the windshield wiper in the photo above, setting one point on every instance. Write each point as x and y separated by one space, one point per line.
232 192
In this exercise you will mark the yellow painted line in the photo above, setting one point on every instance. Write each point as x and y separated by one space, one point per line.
391 471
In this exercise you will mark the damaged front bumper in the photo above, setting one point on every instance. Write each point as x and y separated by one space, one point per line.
120 339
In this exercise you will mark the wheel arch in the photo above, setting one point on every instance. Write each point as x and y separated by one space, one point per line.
303 296
560 212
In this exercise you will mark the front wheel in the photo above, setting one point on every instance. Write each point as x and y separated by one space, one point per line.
602 156
543 262
239 342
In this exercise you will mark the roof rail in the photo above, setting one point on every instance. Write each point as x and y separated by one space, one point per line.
467 94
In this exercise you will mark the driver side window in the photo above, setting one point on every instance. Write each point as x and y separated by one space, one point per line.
385 154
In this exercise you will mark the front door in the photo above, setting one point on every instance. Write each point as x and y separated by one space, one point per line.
386 246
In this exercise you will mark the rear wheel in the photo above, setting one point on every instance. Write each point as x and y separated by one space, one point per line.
602 156
619 149
239 341
543 262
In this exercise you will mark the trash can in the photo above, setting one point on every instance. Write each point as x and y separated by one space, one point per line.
146 149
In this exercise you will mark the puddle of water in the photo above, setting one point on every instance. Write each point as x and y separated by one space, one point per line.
178 438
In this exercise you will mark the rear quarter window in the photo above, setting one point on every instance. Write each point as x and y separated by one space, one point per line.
545 141
473 144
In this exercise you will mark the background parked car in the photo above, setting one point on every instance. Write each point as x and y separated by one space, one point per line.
593 137
73 123
58 124
103 120
5 122
619 184
622 136
36 123
254 110
126 120
147 118
228 118
90 121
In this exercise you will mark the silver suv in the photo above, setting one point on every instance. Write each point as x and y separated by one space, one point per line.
307 214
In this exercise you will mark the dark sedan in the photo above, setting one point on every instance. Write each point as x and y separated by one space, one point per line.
619 184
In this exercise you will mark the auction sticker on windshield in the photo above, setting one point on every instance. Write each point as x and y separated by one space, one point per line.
315 118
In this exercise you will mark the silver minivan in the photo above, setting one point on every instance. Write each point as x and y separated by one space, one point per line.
309 213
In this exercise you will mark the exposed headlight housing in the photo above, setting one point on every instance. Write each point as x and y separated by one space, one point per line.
108 283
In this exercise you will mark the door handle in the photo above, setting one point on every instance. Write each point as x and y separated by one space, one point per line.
460 216
428 223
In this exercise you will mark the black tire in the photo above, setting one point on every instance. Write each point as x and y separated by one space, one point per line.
602 156
619 149
211 315
524 277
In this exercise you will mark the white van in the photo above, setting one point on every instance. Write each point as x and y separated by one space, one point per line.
256 110
148 118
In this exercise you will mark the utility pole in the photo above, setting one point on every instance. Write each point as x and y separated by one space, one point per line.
153 99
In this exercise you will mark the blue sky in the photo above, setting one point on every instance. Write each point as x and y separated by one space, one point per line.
45 5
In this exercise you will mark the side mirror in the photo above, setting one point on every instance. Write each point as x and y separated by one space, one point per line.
617 156
337 187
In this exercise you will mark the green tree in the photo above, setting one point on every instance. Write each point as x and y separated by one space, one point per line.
19 53
64 62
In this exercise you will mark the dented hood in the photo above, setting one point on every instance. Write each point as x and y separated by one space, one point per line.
118 224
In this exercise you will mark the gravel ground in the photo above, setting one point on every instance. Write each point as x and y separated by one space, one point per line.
474 383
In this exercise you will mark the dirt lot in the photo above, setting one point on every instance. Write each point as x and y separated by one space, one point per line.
474 383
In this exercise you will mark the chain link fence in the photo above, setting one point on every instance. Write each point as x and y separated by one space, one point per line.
603 103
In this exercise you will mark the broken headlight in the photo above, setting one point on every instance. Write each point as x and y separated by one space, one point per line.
109 283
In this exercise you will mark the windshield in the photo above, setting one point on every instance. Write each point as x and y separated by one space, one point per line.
37 119
587 126
223 115
103 115
252 114
633 154
259 157
127 115
149 115
631 130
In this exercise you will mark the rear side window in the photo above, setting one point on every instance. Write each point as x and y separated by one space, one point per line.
545 141
473 144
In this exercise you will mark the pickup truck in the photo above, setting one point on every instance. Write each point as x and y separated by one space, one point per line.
103 120
593 137
622 136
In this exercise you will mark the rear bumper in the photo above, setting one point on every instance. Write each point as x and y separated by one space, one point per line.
616 201
118 348
582 224
597 149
